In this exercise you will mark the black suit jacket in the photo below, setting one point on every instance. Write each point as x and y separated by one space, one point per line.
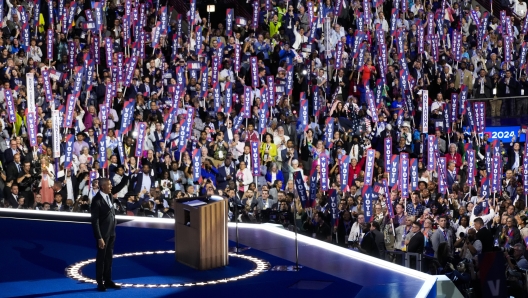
103 218
488 86
512 86
221 178
344 90
8 156
12 201
12 171
485 236
416 244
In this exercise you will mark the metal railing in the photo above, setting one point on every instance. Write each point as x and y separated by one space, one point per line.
404 258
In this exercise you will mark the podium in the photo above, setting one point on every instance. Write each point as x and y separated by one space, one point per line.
201 239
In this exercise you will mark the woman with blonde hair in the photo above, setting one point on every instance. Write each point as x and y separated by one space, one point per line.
46 182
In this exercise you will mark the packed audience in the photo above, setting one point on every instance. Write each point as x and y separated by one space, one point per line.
358 123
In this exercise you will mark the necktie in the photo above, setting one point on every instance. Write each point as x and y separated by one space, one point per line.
107 199
18 167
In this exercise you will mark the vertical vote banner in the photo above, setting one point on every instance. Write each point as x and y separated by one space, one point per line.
30 92
140 142
470 158
372 106
300 187
303 112
247 102
442 182
313 187
230 15
323 164
68 155
329 132
46 85
479 109
197 164
31 122
49 44
70 107
254 71
369 166
103 161
393 175
387 150
525 168
185 129
344 163
495 175
368 205
334 212
56 135
404 175
485 192
431 156
255 158
414 174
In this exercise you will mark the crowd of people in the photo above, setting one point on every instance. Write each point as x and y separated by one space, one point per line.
359 123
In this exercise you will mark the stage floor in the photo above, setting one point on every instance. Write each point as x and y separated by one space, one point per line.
36 253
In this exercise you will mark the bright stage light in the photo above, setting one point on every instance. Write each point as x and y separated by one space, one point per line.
74 271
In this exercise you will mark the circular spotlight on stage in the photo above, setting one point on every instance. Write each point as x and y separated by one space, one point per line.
75 271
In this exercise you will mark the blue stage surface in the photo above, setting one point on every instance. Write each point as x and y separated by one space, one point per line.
35 254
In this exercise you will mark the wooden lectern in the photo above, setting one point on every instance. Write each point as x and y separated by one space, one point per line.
201 232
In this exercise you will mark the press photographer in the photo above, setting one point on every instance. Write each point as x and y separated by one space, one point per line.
469 244
517 268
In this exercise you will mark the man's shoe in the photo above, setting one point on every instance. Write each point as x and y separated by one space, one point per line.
101 288
112 285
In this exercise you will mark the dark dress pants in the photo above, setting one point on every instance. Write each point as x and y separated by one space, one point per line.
103 261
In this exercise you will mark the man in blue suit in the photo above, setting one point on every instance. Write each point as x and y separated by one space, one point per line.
451 175
142 181
226 173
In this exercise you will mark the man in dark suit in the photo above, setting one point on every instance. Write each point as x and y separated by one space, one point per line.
507 88
484 235
14 168
340 81
226 173
416 243
145 88
482 86
100 91
12 196
9 153
142 181
133 90
103 225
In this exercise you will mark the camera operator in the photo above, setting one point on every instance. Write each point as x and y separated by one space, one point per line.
462 275
469 244
316 226
517 267
25 181
82 204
